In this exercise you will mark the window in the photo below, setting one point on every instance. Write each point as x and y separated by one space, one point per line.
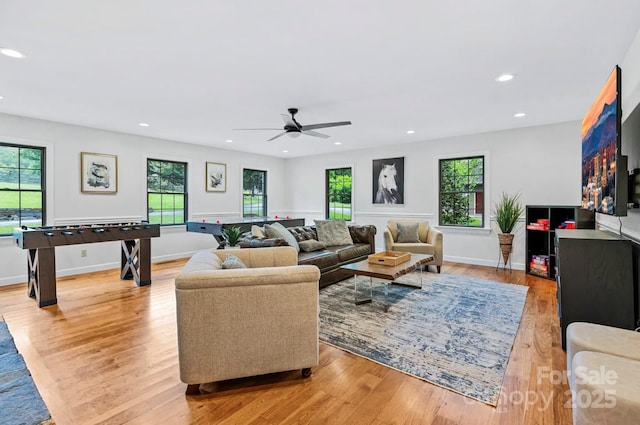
462 192
254 193
166 192
338 193
22 187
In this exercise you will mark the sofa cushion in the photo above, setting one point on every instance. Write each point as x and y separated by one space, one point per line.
311 245
333 232
321 259
408 233
277 230
233 262
303 233
258 231
349 252
202 260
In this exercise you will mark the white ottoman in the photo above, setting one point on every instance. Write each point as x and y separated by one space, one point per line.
607 389
601 339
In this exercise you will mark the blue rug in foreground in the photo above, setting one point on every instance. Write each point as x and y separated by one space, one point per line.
457 332
20 401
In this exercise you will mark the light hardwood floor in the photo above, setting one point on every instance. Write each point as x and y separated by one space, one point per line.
107 354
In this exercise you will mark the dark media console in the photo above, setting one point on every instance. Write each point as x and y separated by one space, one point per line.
135 257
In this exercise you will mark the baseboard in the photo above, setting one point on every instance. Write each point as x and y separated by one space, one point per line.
482 262
12 280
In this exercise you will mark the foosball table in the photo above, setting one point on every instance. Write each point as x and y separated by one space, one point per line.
135 256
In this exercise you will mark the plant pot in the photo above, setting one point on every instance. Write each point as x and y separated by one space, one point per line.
506 243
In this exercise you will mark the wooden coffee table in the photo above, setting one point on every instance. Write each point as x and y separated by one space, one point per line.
386 273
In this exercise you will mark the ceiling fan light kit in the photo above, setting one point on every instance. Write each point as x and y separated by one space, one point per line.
293 128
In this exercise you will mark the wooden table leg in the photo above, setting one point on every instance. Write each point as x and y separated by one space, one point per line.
144 262
135 261
41 269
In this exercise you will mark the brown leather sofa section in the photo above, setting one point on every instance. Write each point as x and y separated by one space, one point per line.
329 259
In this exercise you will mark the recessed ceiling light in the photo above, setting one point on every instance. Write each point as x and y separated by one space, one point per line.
143 124
229 141
1 97
519 115
410 131
505 77
285 151
337 143
11 53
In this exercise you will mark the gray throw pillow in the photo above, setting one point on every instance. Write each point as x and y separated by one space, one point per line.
408 233
333 232
233 262
311 245
202 260
277 230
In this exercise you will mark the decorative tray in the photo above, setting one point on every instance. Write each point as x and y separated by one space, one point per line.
389 258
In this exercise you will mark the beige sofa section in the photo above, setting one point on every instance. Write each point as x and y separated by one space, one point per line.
245 322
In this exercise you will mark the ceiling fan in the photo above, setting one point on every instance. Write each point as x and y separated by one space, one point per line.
294 129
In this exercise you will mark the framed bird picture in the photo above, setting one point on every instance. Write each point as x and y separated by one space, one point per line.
216 177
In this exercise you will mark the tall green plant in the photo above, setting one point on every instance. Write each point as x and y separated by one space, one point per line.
507 211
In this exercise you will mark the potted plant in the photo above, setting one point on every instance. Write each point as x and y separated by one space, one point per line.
232 235
507 211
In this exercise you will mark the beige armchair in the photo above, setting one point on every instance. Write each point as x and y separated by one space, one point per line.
234 323
429 240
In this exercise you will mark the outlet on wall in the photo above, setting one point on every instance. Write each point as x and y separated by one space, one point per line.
83 252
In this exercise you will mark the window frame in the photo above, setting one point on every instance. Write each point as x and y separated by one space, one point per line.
184 193
264 196
43 183
484 222
327 194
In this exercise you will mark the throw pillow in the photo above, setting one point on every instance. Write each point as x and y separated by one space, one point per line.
233 262
277 230
333 232
202 260
258 232
311 245
408 233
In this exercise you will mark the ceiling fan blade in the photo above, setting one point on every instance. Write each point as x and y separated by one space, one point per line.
314 133
275 137
288 121
256 129
324 125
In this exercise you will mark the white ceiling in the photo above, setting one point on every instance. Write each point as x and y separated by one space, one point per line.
194 70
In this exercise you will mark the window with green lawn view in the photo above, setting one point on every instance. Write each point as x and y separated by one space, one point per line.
462 192
338 193
254 193
22 187
166 192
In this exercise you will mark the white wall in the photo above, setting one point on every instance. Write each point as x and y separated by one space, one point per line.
541 163
68 205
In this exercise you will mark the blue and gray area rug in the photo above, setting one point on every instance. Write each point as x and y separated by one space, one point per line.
20 401
457 332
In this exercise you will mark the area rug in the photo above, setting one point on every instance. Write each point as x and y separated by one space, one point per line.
20 401
456 332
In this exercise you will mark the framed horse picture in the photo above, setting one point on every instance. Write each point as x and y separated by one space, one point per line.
388 181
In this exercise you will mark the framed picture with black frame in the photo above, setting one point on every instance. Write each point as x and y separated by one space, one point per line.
388 181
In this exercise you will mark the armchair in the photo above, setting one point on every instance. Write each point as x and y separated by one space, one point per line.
429 240
234 323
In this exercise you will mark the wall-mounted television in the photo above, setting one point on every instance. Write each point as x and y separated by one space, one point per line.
604 168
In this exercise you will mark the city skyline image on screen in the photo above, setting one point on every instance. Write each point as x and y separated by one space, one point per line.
601 147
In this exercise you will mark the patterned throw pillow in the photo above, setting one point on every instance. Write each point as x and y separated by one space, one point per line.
311 245
408 233
277 230
233 262
333 232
